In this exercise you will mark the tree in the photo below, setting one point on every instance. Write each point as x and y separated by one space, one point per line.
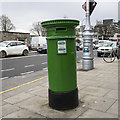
6 24
106 29
38 29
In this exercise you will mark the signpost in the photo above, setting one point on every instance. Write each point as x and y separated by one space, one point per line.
87 60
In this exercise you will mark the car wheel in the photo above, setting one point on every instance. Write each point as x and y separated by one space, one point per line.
78 49
3 54
25 52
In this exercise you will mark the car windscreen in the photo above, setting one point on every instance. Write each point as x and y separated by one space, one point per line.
107 44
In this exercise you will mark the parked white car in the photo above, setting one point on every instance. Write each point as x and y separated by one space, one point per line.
13 48
107 47
100 43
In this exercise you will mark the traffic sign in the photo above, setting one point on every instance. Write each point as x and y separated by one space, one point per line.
84 6
91 6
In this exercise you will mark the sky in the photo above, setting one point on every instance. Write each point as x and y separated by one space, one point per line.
24 13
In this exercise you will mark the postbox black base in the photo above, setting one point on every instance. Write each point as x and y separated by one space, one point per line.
63 100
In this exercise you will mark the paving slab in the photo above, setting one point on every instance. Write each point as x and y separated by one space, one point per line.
34 88
110 85
33 104
4 103
8 109
23 114
97 91
93 83
98 103
112 94
40 106
18 98
74 113
41 91
113 109
96 114
46 84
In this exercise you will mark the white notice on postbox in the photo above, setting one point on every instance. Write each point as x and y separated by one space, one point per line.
61 47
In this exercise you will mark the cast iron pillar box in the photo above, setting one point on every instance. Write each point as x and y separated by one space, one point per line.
61 50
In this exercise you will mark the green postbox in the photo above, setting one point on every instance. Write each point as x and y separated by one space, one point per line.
61 49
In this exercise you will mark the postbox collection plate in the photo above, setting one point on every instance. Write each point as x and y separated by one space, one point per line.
62 47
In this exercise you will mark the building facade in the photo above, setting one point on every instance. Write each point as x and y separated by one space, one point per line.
9 36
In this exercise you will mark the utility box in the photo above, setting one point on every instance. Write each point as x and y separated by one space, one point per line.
61 50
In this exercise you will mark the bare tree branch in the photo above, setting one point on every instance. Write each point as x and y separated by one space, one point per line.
38 29
6 24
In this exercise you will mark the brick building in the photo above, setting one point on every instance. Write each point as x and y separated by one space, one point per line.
7 36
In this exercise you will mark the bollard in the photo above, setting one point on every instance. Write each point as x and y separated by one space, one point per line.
61 50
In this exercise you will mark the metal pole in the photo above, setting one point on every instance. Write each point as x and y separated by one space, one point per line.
87 60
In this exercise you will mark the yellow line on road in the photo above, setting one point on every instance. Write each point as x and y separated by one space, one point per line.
23 85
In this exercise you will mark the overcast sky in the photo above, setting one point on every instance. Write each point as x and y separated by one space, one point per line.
23 14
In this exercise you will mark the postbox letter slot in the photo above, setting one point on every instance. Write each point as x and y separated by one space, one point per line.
60 29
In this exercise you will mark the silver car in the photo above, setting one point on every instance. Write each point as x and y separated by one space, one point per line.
42 48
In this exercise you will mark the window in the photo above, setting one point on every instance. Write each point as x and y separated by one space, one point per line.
13 44
20 43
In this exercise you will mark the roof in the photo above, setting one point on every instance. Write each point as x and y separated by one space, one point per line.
13 41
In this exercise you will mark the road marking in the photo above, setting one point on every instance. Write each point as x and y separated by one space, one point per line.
4 78
29 66
21 57
27 73
22 85
7 70
46 69
44 63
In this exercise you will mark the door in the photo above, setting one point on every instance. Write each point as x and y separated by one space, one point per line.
11 48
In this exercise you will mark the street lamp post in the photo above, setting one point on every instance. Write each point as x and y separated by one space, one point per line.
87 60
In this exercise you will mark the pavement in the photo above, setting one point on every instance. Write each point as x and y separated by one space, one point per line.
98 95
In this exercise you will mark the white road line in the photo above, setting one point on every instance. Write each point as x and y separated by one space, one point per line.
44 63
27 73
46 69
21 57
29 66
7 70
4 78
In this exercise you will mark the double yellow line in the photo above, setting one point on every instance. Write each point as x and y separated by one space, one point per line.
23 85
